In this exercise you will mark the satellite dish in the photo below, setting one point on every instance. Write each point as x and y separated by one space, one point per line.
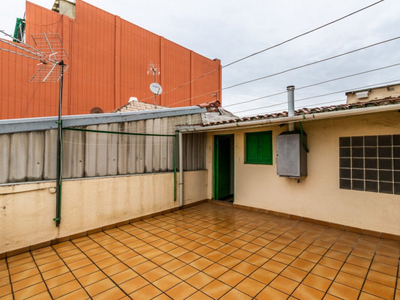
155 88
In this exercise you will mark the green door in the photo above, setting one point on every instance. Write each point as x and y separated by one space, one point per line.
223 166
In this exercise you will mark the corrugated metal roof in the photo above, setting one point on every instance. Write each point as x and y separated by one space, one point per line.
315 110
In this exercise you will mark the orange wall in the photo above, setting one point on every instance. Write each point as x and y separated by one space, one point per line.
108 64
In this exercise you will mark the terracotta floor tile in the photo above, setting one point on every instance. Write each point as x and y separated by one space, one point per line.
316 250
312 257
65 288
383 268
19 262
199 280
299 245
331 263
100 256
235 243
203 250
78 294
22 268
162 259
284 284
358 261
241 254
5 290
235 294
215 256
245 268
228 249
378 289
167 282
59 280
268 253
55 272
303 264
229 261
250 287
274 266
30 291
92 278
181 291
145 293
317 282
4 281
342 291
191 246
185 272
271 293
101 286
294 274
284 258
86 270
74 258
42 296
231 278
291 251
24 274
330 297
354 270
173 265
304 292
107 262
382 278
366 296
189 257
124 276
144 267
215 270
47 259
154 274
201 263
349 280
216 289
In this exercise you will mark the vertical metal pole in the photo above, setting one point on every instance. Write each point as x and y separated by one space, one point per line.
180 170
290 90
155 95
175 161
59 151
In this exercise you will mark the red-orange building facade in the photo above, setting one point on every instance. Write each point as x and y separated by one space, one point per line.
108 63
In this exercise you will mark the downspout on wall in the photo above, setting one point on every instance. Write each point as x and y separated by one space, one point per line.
180 170
290 90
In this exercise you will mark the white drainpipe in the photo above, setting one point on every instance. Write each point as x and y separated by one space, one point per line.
180 170
290 90
306 117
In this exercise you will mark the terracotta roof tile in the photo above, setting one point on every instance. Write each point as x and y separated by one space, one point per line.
315 110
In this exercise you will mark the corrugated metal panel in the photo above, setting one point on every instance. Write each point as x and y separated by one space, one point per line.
32 156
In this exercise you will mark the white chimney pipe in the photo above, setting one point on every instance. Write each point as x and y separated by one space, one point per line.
290 90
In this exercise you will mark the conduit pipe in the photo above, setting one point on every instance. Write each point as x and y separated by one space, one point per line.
306 117
180 170
290 90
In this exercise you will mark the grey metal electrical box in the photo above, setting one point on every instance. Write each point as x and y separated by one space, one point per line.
291 154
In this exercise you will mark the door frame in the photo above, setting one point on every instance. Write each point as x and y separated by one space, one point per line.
215 164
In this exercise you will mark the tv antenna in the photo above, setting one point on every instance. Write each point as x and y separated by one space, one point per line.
50 53
155 88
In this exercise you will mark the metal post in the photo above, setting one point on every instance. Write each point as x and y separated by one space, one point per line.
175 161
180 170
59 151
155 96
290 90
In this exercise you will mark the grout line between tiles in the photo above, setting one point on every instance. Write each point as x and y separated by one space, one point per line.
397 278
55 250
101 269
9 278
41 275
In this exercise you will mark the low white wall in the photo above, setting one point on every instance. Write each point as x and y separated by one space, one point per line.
317 196
27 210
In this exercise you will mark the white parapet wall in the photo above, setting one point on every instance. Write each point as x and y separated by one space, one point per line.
27 210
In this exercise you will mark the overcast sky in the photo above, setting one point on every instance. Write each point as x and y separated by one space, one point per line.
232 29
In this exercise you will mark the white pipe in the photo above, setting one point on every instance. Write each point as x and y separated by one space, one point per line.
306 117
290 90
180 170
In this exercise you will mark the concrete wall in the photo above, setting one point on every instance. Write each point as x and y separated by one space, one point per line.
374 93
27 210
317 196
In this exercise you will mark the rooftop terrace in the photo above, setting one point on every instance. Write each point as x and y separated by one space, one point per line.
208 251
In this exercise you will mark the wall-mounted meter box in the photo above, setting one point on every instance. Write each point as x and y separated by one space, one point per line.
291 154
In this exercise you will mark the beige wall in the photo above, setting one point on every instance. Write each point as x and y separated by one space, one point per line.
375 94
317 196
27 210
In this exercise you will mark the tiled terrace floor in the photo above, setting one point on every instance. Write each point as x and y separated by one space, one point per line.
208 252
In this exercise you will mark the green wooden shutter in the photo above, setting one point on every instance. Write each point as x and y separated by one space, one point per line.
258 147
251 148
265 147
